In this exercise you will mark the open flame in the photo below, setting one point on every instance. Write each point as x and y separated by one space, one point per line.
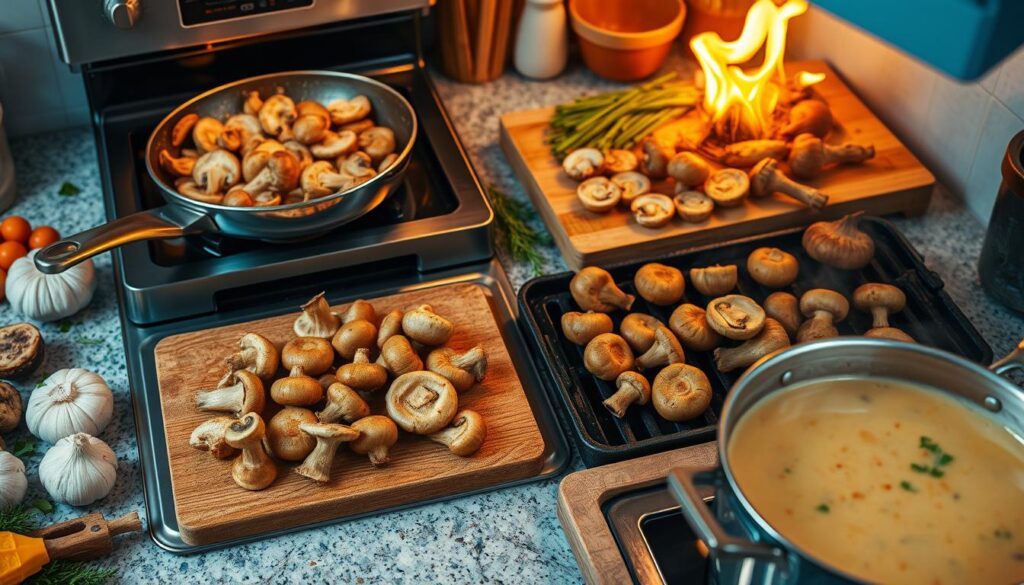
740 102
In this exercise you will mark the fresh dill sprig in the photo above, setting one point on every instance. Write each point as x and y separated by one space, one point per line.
523 241
18 519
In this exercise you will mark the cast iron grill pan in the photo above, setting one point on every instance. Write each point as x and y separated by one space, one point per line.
931 317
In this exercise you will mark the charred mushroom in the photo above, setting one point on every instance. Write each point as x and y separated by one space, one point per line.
771 338
462 369
772 267
727 187
839 243
351 110
465 435
810 155
580 328
421 402
10 407
312 121
736 317
352 336
638 329
693 206
253 469
688 169
681 392
313 354
583 163
360 310
377 434
656 157
209 436
390 326
607 356
216 171
21 350
317 319
750 152
811 116
243 395
881 300
631 185
180 166
766 178
183 129
285 440
659 284
823 309
784 308
398 357
666 350
256 354
361 374
690 324
343 404
653 210
714 280
297 389
423 325
620 161
377 142
277 112
598 194
631 388
334 145
594 290
205 134
329 436
281 174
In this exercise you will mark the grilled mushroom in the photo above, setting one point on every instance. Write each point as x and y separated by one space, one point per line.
823 309
666 350
810 155
593 289
771 338
736 317
750 152
659 284
714 280
607 356
580 328
681 392
10 408
690 324
639 329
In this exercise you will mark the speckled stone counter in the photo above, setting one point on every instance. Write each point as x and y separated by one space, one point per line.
505 536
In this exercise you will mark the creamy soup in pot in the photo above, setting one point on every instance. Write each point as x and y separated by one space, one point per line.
887 481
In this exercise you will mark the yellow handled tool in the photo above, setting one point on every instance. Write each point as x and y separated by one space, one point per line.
82 539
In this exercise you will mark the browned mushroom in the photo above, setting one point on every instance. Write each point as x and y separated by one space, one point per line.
766 178
377 434
465 435
580 328
593 289
313 354
665 350
714 281
772 267
659 284
607 356
638 329
736 317
823 309
881 300
253 469
462 369
361 374
784 308
690 324
771 338
631 388
681 392
353 336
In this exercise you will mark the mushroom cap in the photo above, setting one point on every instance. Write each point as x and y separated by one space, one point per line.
398 356
377 434
607 356
656 157
714 280
257 354
618 160
333 432
465 435
875 294
423 325
183 128
297 389
462 369
346 111
361 374
343 403
313 354
378 142
358 164
276 112
316 319
360 309
690 324
653 209
659 284
335 144
735 316
638 329
311 121
285 439
10 407
390 325
421 402
818 300
254 396
248 429
583 163
784 308
205 133
839 243
631 185
681 392
727 187
593 289
688 168
598 194
216 170
773 267
666 350
352 336
580 328
693 206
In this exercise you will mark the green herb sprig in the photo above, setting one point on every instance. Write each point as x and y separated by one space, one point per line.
940 459
523 241
69 189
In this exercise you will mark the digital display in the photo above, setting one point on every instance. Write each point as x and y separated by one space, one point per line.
195 12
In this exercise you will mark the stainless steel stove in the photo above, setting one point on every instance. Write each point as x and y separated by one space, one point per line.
141 58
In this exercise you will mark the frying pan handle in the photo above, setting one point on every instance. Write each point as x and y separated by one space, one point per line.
147 225
1011 361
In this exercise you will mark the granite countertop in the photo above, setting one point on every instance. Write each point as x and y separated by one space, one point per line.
511 534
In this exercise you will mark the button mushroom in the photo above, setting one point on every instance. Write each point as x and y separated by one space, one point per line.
693 206
771 338
353 336
620 161
377 142
607 356
187 187
766 178
594 290
398 357
390 326
297 389
281 174
736 317
638 329
183 129
688 169
257 158
327 378
810 116
253 469
681 392
598 194
317 319
659 284
421 402
653 210
277 112
465 435
209 436
656 157
301 152
320 179
462 369
237 197
714 280
423 325
285 439
215 171
772 267
631 388
329 436
244 394
583 163
10 408
750 152
313 354
180 166
665 350
359 165
727 187
360 309
810 155
334 145
881 300
346 111
377 434
205 134
840 243
256 354
312 121
823 309
784 308
386 162
690 324
631 185
240 130
343 404
580 328
361 374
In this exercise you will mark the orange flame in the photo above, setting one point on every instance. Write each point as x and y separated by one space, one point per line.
741 103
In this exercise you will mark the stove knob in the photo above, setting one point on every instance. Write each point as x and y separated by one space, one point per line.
122 13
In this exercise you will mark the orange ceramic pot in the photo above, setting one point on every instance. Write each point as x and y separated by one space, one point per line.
626 40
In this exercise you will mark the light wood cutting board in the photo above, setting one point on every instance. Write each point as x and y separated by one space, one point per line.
893 182
211 508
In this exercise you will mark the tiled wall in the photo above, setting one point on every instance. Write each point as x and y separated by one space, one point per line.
37 89
960 130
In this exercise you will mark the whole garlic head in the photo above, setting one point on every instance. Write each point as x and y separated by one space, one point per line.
78 470
69 401
13 482
49 297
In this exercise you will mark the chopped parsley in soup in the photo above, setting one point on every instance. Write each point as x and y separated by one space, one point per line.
886 481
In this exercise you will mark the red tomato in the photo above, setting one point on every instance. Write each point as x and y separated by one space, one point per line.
3 285
42 237
9 252
15 228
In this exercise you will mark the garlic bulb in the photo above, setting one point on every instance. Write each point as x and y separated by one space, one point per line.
69 401
78 470
49 297
12 480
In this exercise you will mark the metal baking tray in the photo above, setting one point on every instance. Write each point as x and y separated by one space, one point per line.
160 513
930 316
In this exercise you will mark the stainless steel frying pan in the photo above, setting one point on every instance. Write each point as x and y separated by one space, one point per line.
183 216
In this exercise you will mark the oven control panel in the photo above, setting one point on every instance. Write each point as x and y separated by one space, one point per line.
196 12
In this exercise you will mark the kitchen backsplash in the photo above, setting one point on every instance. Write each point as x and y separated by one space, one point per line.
960 130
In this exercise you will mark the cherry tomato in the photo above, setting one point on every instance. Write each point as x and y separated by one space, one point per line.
15 228
42 237
9 252
3 285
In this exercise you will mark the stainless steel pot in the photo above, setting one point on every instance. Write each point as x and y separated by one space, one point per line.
183 216
744 547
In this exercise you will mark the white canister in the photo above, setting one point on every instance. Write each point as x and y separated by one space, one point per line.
542 41
6 168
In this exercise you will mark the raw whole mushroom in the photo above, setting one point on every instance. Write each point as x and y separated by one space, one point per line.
594 289
631 184
423 325
377 434
317 319
688 169
329 436
462 369
465 435
421 402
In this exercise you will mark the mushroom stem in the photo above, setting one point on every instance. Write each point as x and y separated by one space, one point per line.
879 317
222 399
317 465
343 403
772 337
766 178
465 435
632 388
253 469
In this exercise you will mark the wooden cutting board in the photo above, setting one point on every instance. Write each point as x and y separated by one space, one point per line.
211 508
893 182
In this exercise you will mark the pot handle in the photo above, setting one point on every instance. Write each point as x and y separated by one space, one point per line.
682 483
153 224
1011 361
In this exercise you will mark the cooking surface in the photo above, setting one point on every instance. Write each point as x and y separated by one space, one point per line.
484 537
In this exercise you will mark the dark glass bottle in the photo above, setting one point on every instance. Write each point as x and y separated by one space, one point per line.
1002 257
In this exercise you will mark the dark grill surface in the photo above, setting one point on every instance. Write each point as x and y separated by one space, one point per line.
930 317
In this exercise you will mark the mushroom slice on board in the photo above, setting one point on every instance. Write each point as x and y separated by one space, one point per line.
736 317
465 435
598 194
693 206
421 402
653 210
217 170
346 111
632 185
727 187
276 113
209 436
583 163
